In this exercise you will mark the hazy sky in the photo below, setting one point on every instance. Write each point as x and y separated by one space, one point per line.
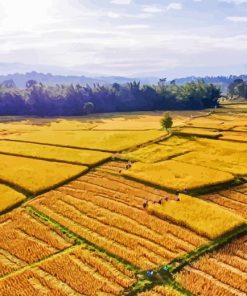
124 37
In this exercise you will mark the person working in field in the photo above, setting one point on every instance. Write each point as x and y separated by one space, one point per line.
145 204
129 165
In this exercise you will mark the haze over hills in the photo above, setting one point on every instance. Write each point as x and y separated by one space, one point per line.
20 79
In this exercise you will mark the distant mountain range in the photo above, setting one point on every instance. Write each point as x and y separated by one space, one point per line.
49 79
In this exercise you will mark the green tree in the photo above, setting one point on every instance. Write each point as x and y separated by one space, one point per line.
166 121
88 107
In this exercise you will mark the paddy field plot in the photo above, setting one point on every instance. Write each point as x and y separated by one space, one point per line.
25 240
9 197
33 175
46 152
77 271
111 141
233 199
161 291
235 136
221 155
175 141
153 153
228 163
44 124
199 132
210 123
138 121
107 210
204 218
175 175
223 272
145 122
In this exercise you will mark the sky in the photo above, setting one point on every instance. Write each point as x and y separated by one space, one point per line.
172 38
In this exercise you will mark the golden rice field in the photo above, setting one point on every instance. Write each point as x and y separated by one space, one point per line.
153 153
25 240
90 273
234 199
9 197
235 136
107 210
221 155
210 122
110 141
221 273
202 217
74 216
34 175
200 132
161 291
176 175
59 154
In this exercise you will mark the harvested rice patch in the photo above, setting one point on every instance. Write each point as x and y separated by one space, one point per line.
35 175
161 291
9 197
175 175
223 272
33 282
231 199
112 141
25 240
75 156
107 210
97 272
154 153
202 217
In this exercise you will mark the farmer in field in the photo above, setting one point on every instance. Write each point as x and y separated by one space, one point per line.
166 198
129 164
145 204
160 201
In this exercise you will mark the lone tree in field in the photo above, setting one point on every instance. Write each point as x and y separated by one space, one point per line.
88 108
166 121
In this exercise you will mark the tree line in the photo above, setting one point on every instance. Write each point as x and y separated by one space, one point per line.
238 89
75 100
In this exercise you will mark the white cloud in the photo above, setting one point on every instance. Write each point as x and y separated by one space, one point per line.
134 26
121 15
234 1
237 19
121 2
174 6
161 8
152 9
115 39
